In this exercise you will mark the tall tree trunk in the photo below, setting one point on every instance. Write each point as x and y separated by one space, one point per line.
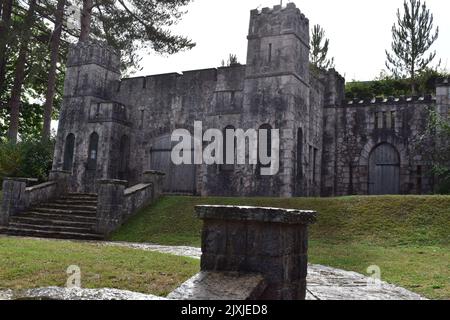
86 17
4 37
19 75
54 54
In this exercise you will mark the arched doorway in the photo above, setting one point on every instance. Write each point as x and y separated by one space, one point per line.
68 152
384 170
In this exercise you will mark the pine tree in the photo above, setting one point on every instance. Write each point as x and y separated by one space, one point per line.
412 37
319 49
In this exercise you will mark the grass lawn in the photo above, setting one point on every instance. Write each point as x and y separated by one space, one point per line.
28 263
408 237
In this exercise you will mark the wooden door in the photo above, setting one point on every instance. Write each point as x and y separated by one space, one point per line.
384 170
180 179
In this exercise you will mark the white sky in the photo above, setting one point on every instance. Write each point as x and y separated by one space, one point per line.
359 32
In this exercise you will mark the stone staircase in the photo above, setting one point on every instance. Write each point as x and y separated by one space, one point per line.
72 216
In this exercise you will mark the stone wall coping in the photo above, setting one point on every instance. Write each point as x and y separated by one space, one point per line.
258 214
113 181
41 186
28 180
137 188
159 173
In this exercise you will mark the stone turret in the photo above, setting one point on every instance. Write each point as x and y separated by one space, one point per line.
278 43
84 135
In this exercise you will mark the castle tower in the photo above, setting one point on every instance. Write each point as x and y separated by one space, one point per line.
276 93
88 120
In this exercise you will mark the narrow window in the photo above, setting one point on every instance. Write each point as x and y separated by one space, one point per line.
68 152
388 120
384 120
315 165
393 123
268 128
270 52
300 153
227 167
376 120
124 157
93 148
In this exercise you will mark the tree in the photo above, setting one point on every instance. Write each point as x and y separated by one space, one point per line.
19 76
5 36
52 77
232 61
412 37
319 49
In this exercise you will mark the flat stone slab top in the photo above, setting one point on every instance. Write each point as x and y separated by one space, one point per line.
57 293
258 214
220 286
325 283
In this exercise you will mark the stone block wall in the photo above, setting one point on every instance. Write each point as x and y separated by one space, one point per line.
272 242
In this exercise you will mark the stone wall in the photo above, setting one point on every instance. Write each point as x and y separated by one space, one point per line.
355 129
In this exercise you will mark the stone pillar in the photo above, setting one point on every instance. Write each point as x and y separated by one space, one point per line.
62 178
269 241
157 179
110 205
14 197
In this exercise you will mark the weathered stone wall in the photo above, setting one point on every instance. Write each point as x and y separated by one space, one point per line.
355 129
325 144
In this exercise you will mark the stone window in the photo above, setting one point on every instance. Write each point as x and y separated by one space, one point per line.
93 150
267 127
124 157
68 152
393 122
376 120
227 167
270 53
315 165
300 153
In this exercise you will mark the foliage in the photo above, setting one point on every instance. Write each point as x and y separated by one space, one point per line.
232 61
319 49
35 85
434 145
413 36
30 159
386 86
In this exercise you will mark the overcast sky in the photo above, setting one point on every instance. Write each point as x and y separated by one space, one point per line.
359 32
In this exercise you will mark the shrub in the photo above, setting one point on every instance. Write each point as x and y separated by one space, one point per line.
30 159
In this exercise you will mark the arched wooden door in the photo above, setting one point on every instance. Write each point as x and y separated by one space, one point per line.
180 179
384 170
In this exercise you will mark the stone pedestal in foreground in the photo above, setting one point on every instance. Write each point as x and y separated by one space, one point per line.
270 241
110 205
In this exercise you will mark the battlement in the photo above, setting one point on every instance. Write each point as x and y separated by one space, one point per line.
391 100
279 20
93 52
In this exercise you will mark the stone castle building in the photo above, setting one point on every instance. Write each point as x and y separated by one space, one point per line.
113 128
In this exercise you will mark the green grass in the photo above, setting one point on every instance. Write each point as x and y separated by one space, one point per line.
26 263
407 236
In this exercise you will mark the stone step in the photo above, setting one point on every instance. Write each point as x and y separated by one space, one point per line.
85 195
49 228
42 221
68 207
65 211
76 202
55 235
61 217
